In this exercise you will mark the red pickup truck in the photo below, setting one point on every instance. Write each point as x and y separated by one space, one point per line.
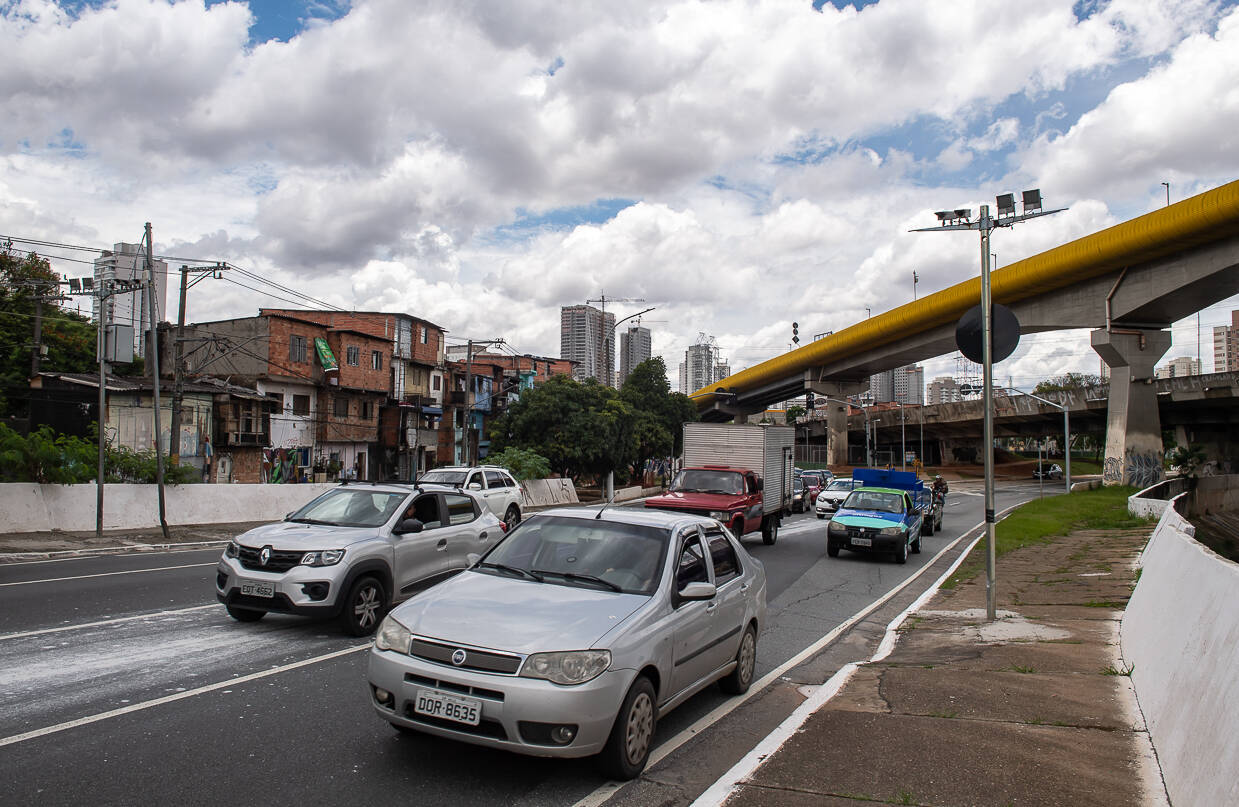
730 495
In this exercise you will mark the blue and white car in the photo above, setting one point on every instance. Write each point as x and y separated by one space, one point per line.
886 514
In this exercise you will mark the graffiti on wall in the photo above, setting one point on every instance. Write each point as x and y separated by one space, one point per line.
1138 468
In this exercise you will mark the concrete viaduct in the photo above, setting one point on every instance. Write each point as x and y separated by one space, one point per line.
1129 283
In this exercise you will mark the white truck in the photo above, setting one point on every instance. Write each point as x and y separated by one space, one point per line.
737 473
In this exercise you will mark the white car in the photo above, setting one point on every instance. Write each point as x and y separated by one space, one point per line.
832 496
495 486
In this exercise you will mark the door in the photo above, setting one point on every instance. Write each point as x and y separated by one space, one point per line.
421 557
497 493
463 534
730 601
693 620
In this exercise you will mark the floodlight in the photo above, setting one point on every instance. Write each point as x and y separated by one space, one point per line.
75 284
88 284
965 213
1006 205
945 215
1032 200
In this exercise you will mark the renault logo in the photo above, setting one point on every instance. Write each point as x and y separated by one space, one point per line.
264 555
458 657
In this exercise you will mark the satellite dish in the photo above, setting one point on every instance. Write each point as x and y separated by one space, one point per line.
1006 334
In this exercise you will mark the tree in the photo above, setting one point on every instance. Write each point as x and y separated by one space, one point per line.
1067 381
648 390
523 463
794 412
68 337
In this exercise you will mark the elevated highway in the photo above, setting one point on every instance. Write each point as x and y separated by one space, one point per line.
1129 282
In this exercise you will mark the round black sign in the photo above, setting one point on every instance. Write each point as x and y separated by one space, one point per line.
1006 333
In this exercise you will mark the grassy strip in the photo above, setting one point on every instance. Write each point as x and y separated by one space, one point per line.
1041 520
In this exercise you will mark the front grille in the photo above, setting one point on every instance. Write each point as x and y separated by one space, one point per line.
459 689
480 660
281 560
487 728
862 532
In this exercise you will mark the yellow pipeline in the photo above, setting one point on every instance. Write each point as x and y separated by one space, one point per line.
1208 217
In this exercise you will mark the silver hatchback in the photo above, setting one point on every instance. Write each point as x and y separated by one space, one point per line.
574 634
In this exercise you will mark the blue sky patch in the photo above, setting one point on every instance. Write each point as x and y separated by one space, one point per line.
528 224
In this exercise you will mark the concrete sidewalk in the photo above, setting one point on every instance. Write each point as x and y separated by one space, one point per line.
1033 709
35 545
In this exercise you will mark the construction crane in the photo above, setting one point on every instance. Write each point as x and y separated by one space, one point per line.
604 298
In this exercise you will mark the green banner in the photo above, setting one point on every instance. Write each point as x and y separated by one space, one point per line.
325 356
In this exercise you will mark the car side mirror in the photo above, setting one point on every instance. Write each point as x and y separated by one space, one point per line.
698 591
760 483
408 525
474 486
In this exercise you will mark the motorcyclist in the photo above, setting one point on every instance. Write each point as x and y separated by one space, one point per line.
940 488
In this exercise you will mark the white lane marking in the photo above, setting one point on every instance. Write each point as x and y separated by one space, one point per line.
106 574
609 789
115 621
85 554
137 707
722 789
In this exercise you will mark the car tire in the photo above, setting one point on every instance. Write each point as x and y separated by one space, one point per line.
364 607
901 554
770 531
512 517
632 735
741 678
819 515
245 614
832 550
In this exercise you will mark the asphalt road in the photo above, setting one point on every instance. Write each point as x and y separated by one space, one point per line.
122 681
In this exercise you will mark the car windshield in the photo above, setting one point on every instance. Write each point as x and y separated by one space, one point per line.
797 484
698 480
444 477
840 484
350 507
590 553
876 500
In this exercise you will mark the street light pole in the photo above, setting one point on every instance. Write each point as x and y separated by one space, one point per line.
610 491
903 445
1066 432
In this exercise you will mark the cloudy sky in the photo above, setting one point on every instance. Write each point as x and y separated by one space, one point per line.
737 164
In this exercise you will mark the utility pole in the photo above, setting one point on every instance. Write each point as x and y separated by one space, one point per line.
152 350
178 349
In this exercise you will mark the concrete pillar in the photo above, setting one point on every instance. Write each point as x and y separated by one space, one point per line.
836 414
1133 425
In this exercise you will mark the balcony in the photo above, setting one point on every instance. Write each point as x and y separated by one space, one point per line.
247 439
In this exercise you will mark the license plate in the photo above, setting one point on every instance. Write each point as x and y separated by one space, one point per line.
862 542
257 588
448 707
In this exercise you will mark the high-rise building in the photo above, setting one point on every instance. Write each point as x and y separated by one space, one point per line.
701 366
586 336
1226 346
905 385
1178 367
944 389
127 262
634 349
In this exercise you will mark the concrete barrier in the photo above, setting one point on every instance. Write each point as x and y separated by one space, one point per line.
71 508
547 492
1153 500
1180 638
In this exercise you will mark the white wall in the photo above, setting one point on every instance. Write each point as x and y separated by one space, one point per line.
1180 633
71 508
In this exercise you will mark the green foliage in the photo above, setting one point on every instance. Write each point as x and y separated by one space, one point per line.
523 463
794 413
48 458
1187 460
1067 381
69 337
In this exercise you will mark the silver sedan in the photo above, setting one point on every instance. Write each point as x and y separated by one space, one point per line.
572 636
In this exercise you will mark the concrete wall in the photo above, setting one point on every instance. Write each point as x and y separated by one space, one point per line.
1180 634
1153 500
71 508
543 492
1214 494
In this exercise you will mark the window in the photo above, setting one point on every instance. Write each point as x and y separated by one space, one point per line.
423 334
691 567
367 410
352 355
435 382
460 508
376 360
296 348
339 406
277 401
301 404
426 510
494 480
724 557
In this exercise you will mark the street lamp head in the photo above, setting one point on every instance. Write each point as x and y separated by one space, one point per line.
963 213
1006 205
1032 200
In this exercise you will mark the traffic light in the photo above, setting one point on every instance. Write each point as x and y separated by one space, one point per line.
808 400
796 332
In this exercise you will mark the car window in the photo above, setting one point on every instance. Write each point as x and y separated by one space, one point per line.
691 566
494 480
723 556
426 510
443 477
460 509
351 507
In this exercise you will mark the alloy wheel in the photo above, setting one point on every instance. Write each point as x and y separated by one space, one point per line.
640 729
367 607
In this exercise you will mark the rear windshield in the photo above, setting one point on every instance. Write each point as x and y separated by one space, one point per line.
840 484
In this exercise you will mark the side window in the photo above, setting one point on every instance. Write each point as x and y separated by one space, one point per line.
723 555
494 480
426 510
460 508
750 482
691 567
476 479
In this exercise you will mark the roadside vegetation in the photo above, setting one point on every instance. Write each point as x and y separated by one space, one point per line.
1041 520
46 457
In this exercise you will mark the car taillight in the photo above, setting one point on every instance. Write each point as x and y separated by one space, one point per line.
503 525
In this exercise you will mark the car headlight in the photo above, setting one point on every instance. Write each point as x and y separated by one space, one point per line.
836 527
325 557
718 515
391 635
567 668
891 531
232 550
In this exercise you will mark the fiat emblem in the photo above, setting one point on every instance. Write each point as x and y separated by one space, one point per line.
458 657
264 555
